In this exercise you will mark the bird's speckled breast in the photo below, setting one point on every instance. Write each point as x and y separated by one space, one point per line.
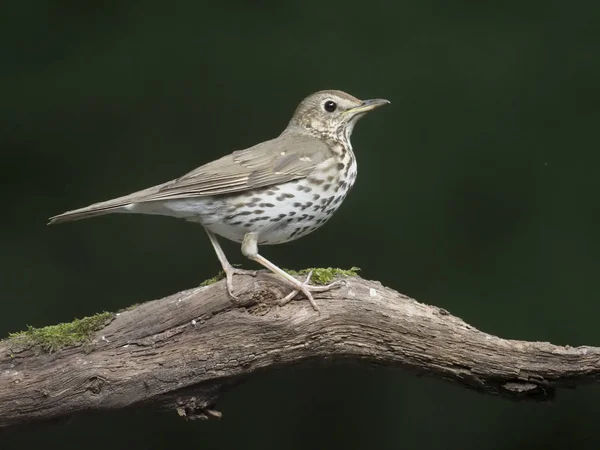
279 213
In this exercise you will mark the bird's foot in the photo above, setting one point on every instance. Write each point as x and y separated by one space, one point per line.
230 271
306 289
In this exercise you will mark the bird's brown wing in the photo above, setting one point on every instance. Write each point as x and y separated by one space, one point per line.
290 156
285 158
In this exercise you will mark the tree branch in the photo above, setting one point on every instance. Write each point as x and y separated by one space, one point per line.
184 350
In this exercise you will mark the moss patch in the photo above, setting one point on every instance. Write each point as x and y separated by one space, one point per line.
320 275
325 275
214 279
55 337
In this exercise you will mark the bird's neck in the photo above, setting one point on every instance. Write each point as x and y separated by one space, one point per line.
337 139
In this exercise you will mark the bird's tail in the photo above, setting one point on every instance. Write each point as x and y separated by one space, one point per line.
116 205
84 213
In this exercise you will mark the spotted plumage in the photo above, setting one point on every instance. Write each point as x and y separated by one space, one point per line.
271 193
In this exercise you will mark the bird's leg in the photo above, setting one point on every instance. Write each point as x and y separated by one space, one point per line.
229 270
250 250
285 300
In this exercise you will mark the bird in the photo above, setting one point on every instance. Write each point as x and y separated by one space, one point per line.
271 193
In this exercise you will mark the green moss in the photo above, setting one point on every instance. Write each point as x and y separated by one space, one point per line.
55 337
325 275
319 276
214 279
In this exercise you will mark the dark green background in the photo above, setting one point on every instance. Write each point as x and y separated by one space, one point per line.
477 192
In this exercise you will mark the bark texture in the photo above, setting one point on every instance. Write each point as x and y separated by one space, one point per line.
183 351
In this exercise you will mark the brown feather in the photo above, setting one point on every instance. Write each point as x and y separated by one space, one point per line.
258 166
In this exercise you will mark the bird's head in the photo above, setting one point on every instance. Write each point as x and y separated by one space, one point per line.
332 113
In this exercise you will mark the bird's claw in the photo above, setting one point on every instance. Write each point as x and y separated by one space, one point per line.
230 272
306 289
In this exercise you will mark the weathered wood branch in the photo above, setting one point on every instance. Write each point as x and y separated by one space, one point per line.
182 351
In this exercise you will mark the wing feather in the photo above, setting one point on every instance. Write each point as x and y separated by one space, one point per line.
290 156
285 158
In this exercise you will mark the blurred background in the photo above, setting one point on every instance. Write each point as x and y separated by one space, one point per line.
477 192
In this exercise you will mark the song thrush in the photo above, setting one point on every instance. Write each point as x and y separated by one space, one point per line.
274 192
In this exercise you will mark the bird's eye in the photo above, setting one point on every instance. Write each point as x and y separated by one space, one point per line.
330 106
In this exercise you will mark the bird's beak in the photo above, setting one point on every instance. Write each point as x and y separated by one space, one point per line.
368 105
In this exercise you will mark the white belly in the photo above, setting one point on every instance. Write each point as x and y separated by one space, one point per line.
278 214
